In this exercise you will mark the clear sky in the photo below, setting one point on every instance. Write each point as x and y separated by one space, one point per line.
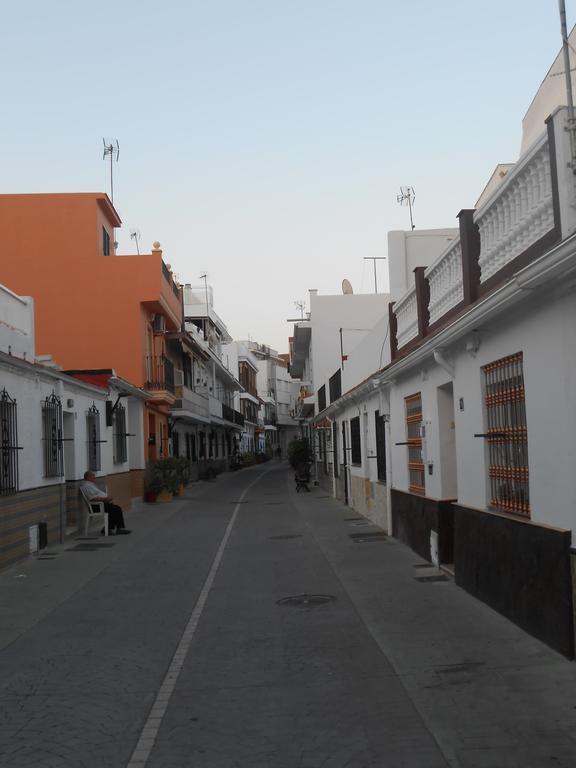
264 141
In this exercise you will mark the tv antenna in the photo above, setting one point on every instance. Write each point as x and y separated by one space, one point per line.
111 150
375 259
135 235
300 305
407 197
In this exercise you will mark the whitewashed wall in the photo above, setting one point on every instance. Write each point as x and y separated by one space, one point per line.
16 324
543 331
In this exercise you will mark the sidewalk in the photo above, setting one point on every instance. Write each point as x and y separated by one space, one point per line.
33 588
490 694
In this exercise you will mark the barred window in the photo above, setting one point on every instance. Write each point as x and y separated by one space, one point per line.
335 447
335 385
413 406
506 434
322 398
380 446
8 445
355 441
175 443
120 443
52 436
93 435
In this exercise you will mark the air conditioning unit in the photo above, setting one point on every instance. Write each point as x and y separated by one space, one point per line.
159 323
178 377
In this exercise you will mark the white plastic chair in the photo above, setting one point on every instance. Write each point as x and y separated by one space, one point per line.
91 515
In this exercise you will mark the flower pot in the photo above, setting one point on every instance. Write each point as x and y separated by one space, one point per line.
164 497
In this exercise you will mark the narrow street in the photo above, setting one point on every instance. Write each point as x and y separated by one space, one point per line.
383 670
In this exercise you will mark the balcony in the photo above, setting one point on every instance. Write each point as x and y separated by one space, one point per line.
519 223
190 405
159 378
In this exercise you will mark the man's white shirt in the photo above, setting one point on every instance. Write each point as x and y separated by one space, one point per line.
92 491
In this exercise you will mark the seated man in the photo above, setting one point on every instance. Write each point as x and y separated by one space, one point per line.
115 514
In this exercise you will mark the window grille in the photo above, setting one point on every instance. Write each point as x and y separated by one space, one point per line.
507 435
93 432
322 398
335 386
335 448
175 443
355 441
8 445
120 443
380 446
193 447
413 425
52 436
202 445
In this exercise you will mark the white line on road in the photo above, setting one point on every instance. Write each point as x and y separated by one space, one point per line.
152 725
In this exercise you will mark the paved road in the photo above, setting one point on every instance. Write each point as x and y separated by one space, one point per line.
108 660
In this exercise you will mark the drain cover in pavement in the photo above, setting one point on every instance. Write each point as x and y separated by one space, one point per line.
365 538
88 547
432 578
287 536
352 519
423 565
46 557
306 600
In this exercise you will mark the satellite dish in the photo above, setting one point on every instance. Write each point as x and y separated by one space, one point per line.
346 287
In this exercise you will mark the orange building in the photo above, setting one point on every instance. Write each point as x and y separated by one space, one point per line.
95 309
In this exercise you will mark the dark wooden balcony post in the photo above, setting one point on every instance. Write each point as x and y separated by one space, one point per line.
470 244
393 329
422 300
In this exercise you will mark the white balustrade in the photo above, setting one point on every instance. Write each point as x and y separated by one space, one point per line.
519 213
445 280
406 311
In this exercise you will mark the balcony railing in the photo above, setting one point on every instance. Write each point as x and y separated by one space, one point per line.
518 223
519 214
159 373
227 413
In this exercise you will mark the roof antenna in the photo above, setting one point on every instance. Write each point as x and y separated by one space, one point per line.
407 197
300 305
111 149
135 235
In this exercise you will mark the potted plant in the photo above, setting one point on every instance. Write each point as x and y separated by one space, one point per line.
182 468
161 480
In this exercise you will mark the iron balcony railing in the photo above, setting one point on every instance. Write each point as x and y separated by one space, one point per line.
227 413
159 373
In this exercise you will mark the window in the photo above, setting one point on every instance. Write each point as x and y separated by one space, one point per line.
93 438
413 406
105 242
322 398
175 443
8 445
506 434
355 441
380 446
335 447
335 386
52 436
202 448
120 445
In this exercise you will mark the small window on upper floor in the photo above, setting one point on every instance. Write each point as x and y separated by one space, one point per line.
105 242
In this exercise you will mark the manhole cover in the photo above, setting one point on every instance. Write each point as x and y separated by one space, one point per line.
352 519
366 538
432 578
287 536
306 600
46 557
423 565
